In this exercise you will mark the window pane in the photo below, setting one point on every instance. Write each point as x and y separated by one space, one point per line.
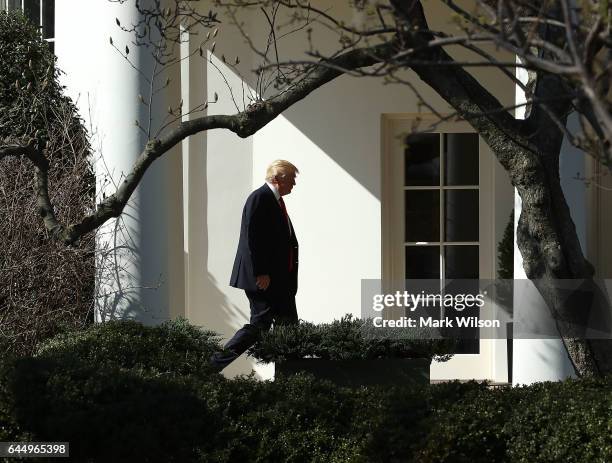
422 160
14 5
48 19
461 159
461 215
31 10
2 5
422 215
423 262
461 262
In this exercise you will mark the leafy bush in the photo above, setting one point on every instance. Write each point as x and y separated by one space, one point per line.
109 412
45 287
566 421
112 403
174 347
118 389
345 339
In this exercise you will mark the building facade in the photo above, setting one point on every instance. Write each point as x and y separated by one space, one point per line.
363 208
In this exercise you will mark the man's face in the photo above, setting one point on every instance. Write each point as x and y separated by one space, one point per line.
285 184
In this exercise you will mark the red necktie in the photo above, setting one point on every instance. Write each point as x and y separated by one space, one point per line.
284 208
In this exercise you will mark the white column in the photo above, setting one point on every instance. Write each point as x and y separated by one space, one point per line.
140 260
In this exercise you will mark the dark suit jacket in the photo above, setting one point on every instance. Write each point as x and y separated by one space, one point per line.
264 245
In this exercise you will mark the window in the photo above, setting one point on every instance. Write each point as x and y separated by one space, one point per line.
445 203
441 212
40 12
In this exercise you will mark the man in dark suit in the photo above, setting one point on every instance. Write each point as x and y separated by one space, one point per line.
266 263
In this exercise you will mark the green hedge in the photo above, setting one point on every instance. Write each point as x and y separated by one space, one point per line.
174 347
124 392
346 339
568 421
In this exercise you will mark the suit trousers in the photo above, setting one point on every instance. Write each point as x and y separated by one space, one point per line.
267 307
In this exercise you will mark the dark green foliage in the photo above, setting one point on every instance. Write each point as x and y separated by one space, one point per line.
119 389
110 412
29 90
568 421
345 339
45 287
174 347
114 402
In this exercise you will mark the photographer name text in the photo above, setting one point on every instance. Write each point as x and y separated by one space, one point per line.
433 322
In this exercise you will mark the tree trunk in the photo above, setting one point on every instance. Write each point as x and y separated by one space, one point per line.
529 151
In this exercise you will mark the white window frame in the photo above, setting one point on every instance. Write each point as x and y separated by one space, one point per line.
491 362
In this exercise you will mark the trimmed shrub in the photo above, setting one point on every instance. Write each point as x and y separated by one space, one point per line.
569 421
110 413
112 403
346 339
174 347
118 390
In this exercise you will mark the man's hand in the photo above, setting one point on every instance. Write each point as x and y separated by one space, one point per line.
263 281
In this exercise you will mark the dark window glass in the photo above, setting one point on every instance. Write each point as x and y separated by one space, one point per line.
48 22
422 160
461 262
422 262
461 159
14 5
2 5
422 215
31 10
461 215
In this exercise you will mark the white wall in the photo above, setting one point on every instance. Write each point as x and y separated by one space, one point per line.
334 138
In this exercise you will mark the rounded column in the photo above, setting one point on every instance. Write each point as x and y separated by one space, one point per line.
140 271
